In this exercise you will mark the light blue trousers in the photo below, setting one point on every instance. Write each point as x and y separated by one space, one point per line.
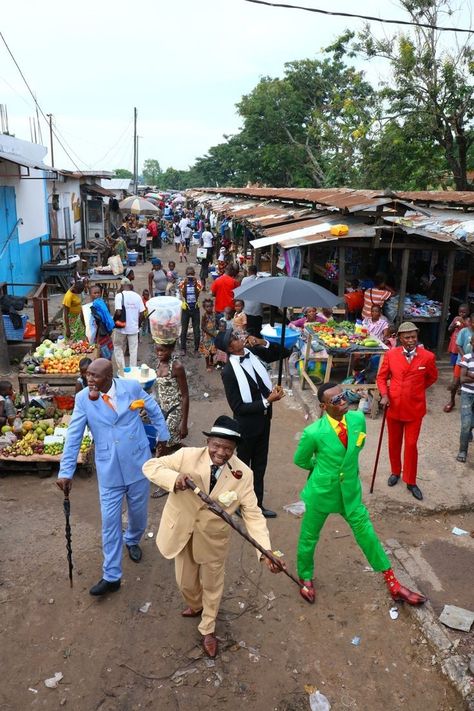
111 501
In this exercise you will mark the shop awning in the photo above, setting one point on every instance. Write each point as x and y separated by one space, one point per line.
25 162
97 190
304 232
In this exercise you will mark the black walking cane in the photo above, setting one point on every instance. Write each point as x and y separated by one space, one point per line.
216 509
67 513
376 463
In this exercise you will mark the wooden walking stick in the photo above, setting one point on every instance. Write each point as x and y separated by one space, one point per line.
376 463
216 509
67 513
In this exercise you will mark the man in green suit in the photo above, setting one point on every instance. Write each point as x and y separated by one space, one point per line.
330 448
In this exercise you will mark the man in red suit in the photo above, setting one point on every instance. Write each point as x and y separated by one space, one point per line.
411 370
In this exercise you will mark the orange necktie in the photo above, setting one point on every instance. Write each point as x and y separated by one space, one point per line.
342 433
108 401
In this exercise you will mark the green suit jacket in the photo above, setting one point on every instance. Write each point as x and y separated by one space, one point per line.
334 485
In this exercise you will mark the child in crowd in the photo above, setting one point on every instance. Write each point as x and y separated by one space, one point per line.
208 333
463 345
146 324
454 329
228 317
81 382
172 276
221 356
7 406
239 322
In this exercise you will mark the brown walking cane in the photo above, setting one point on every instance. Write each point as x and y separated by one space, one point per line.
376 463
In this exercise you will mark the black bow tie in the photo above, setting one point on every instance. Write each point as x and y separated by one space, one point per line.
242 358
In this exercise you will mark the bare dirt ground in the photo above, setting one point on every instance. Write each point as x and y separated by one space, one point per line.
116 658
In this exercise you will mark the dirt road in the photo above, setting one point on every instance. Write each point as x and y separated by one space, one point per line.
116 658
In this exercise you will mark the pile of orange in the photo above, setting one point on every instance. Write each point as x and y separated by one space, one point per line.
62 365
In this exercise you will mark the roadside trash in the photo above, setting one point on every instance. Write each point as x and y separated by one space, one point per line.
209 663
393 613
271 596
254 656
297 509
180 673
53 681
355 641
150 534
241 605
259 617
34 691
297 436
206 394
144 608
318 702
459 531
457 618
51 601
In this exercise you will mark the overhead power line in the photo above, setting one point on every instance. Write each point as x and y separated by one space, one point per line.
361 17
37 104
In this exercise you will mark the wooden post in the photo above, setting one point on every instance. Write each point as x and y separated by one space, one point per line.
448 286
468 278
403 285
342 272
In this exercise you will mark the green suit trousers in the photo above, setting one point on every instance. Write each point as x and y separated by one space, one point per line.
361 525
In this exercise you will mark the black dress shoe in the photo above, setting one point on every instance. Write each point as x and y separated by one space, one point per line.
393 479
415 491
105 586
135 553
268 513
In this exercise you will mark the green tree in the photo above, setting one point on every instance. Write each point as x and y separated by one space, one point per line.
122 173
431 83
151 171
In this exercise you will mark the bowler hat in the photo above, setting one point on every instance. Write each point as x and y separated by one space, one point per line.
225 428
407 326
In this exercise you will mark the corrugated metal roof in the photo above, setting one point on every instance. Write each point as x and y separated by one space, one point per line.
310 231
441 225
347 198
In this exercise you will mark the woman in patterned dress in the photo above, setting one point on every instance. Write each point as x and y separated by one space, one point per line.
208 333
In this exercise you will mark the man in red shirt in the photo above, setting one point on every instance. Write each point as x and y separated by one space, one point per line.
411 370
223 290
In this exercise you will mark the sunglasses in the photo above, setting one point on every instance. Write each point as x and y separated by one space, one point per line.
337 399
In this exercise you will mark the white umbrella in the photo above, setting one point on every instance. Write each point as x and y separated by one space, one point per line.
137 206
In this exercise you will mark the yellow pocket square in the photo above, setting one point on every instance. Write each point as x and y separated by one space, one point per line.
137 405
360 439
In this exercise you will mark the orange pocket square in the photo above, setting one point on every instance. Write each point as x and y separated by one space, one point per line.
137 405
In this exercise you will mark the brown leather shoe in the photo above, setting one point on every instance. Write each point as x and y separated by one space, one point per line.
209 644
189 612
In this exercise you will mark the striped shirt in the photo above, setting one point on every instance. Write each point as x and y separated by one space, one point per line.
467 363
374 297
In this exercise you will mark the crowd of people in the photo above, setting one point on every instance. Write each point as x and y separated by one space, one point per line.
231 467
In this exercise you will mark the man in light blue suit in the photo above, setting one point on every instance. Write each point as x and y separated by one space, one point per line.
111 409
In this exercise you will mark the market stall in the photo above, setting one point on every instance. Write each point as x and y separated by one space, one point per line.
339 344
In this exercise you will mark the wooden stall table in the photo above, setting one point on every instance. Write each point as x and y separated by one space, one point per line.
110 283
62 379
44 465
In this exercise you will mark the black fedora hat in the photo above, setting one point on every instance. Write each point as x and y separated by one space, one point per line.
222 340
225 428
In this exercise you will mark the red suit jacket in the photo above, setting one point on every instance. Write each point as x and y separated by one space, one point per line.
408 382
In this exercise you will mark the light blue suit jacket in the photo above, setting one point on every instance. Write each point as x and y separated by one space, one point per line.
121 444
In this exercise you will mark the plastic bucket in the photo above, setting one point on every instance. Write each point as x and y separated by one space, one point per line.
132 258
151 434
291 336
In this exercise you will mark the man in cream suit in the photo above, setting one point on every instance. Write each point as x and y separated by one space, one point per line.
197 539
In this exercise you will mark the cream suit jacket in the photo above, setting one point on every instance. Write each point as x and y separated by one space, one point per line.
185 515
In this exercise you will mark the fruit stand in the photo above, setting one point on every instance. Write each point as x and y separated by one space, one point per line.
55 364
339 343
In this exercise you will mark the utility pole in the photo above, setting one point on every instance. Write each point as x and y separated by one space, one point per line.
135 152
50 116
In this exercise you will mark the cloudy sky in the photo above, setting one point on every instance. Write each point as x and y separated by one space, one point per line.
184 64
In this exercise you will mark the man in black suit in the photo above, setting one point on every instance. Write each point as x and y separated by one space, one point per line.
250 395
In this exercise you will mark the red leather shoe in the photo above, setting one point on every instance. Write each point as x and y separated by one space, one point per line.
209 644
404 594
189 612
308 592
